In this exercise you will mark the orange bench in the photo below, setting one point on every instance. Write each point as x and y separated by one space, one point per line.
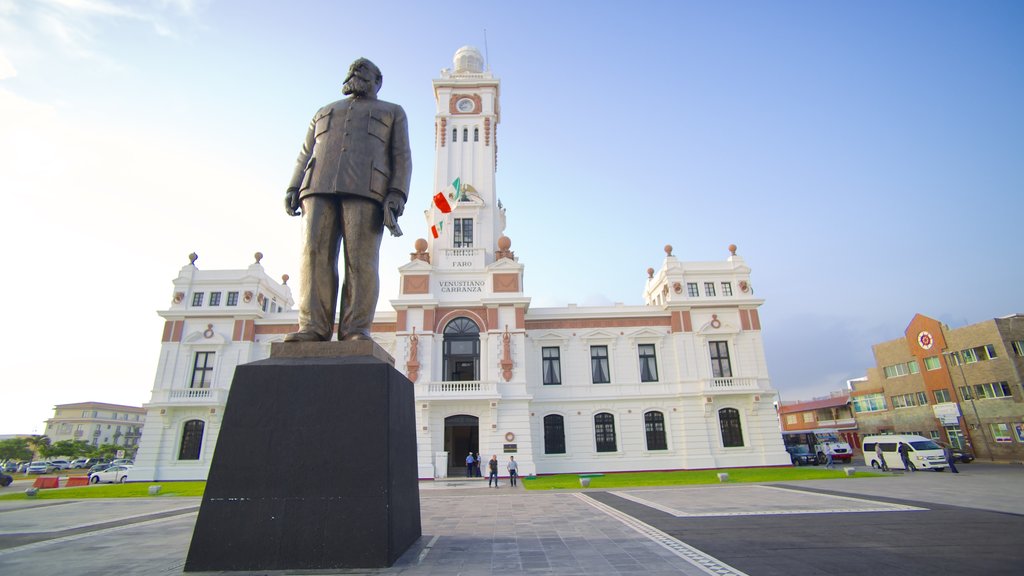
47 482
77 481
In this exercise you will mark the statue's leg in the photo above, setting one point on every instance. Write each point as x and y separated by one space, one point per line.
319 267
362 227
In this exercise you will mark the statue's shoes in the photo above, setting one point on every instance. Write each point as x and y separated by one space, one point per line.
303 336
355 337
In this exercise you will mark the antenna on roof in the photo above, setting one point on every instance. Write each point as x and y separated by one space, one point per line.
487 54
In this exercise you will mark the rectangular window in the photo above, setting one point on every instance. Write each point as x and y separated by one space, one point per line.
709 288
214 298
648 363
990 352
922 399
202 371
463 236
232 298
932 363
1001 432
197 299
903 401
691 290
1018 347
599 365
970 356
941 396
791 419
965 393
869 403
992 390
808 417
551 365
720 365
912 366
726 289
896 370
604 432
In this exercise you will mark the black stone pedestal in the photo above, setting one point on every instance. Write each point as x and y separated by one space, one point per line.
315 468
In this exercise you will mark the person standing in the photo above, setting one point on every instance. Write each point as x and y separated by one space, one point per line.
469 465
492 469
905 456
513 470
947 451
881 457
829 463
351 180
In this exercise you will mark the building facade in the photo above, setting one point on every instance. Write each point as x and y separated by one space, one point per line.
679 382
959 385
832 412
97 423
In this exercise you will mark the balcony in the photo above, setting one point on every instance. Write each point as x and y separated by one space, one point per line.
188 396
463 390
730 385
840 423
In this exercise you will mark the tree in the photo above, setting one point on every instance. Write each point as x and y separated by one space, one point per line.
15 449
39 444
70 448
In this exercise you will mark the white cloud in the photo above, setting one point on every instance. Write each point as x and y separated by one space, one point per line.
7 69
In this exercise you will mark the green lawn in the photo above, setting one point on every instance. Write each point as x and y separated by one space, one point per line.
130 490
682 477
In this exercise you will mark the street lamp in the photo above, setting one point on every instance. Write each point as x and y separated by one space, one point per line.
950 356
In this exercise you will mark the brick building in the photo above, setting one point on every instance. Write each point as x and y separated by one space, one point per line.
959 385
832 412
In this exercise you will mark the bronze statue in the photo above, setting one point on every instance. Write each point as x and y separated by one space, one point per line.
351 180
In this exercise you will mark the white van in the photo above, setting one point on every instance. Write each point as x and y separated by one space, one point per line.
924 454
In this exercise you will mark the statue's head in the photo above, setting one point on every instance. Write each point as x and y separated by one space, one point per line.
364 79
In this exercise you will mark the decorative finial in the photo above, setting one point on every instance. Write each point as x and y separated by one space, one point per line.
421 245
668 249
284 279
650 273
504 243
192 258
732 249
258 256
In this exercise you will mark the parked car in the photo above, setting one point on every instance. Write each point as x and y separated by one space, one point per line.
41 468
60 464
122 462
11 467
78 462
112 474
90 462
99 467
5 480
959 455
801 454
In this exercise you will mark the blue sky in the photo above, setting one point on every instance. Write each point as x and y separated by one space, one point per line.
866 157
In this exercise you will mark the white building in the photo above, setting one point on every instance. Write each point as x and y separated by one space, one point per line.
680 382
97 423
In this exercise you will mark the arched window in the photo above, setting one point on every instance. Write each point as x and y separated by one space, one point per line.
604 432
554 434
461 350
191 440
654 425
455 134
732 431
465 134
476 134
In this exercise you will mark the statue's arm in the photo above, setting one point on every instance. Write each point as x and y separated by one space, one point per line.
292 203
401 155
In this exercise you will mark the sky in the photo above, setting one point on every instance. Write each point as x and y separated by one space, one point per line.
867 158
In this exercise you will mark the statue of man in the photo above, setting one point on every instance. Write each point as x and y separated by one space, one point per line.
351 180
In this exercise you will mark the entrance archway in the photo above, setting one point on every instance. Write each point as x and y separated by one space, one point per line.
461 436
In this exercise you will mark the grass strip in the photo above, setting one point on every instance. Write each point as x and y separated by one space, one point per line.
687 477
129 490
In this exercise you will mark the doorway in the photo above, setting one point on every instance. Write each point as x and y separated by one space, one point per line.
461 436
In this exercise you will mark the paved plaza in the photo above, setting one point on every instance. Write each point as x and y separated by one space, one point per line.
920 523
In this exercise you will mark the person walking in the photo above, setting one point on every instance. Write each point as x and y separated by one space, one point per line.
492 468
947 451
905 456
881 457
469 465
513 470
829 463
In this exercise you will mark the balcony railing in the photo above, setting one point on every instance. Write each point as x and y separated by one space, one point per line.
456 390
190 396
732 385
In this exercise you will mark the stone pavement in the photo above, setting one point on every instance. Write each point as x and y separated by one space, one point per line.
820 527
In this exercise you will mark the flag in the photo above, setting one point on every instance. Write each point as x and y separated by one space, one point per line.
435 230
442 203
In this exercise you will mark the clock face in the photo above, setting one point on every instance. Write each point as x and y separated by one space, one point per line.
465 105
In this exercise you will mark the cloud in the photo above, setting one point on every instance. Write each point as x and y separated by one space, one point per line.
6 67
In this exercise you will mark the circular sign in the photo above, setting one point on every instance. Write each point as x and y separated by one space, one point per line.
509 436
925 340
